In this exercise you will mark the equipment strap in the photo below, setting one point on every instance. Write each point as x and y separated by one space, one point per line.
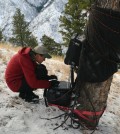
80 113
88 112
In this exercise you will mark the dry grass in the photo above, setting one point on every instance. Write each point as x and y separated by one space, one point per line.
0 55
58 68
118 72
59 58
7 52
9 46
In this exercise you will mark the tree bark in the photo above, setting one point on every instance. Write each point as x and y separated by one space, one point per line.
96 93
111 4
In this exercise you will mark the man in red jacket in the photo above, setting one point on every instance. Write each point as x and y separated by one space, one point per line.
23 74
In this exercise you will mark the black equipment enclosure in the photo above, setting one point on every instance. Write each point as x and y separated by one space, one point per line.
73 52
58 96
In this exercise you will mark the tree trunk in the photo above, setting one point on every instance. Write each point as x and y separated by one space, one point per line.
96 93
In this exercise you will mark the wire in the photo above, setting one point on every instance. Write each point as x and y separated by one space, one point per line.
62 123
53 117
87 95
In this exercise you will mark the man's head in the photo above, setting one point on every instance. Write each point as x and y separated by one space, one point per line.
41 53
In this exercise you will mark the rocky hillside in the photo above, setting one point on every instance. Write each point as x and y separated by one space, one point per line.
42 15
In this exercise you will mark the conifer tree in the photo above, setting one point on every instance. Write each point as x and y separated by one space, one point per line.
1 35
53 47
73 21
22 35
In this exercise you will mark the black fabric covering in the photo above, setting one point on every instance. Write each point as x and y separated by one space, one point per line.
103 32
101 48
73 52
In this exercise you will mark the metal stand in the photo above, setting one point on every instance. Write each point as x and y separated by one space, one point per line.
72 74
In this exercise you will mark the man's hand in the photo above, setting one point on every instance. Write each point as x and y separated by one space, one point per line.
54 83
52 77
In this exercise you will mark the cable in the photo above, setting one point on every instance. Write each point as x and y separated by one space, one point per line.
53 117
87 95
62 123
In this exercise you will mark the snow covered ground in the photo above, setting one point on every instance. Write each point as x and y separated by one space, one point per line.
19 117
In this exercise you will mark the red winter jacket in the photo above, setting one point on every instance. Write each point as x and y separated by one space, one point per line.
21 65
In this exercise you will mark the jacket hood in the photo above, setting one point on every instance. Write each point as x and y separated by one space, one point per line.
24 50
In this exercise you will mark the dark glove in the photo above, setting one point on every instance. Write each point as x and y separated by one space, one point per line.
52 77
54 83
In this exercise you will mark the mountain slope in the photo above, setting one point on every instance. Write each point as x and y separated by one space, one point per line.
43 16
47 22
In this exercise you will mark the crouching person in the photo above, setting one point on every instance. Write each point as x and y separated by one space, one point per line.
25 73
